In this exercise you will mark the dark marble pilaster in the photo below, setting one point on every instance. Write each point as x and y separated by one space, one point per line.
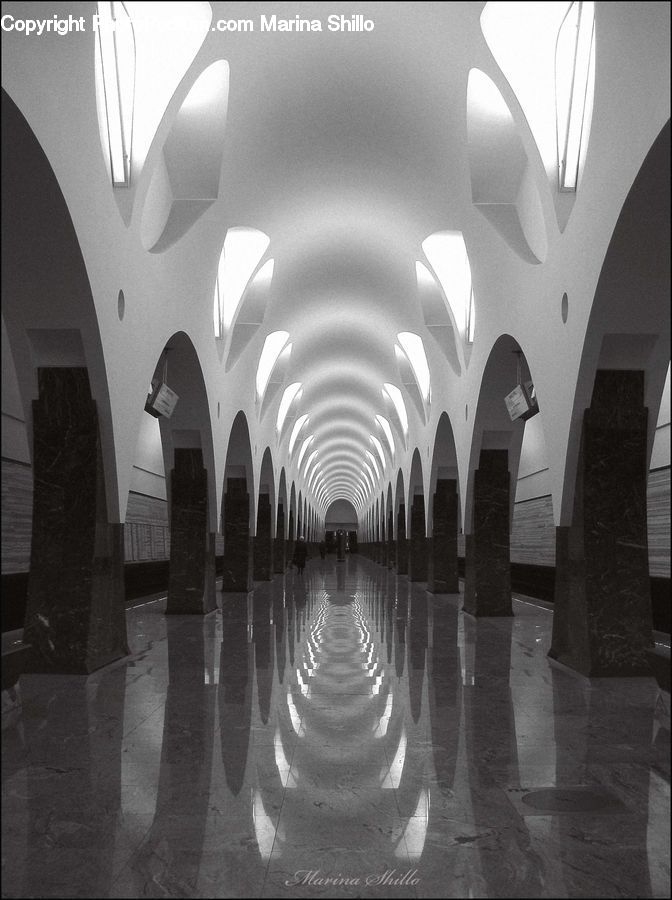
402 543
602 623
417 559
75 612
487 590
443 546
291 537
279 562
190 545
391 549
237 574
263 545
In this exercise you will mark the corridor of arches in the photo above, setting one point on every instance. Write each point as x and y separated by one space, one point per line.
391 282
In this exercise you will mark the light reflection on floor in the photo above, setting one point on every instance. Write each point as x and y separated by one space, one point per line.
343 734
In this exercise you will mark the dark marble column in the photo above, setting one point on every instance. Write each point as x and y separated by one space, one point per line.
443 545
417 558
279 562
190 544
602 622
75 612
487 590
263 544
237 574
402 543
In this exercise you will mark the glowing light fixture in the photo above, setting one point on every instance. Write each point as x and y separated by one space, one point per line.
394 394
310 459
447 253
368 469
287 398
574 61
243 248
385 425
115 59
298 425
379 449
415 351
372 459
269 355
312 478
304 446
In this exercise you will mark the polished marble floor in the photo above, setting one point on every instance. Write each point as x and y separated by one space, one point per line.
340 734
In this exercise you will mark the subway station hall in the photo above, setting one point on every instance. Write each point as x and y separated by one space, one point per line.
336 450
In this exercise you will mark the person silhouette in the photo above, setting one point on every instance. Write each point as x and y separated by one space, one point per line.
300 554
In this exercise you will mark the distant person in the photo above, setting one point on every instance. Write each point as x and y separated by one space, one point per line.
323 549
300 554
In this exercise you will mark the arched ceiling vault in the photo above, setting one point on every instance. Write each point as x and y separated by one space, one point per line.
344 159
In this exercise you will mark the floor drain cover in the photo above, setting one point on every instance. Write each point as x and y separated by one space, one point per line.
555 800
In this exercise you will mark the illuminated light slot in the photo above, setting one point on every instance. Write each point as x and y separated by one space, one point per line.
286 776
115 65
290 394
298 425
264 829
273 346
394 394
308 464
294 716
243 248
380 730
415 351
313 478
447 253
471 318
379 449
370 474
415 831
391 777
387 431
304 446
574 62
373 462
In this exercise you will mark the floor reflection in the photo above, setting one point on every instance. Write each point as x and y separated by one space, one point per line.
339 733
